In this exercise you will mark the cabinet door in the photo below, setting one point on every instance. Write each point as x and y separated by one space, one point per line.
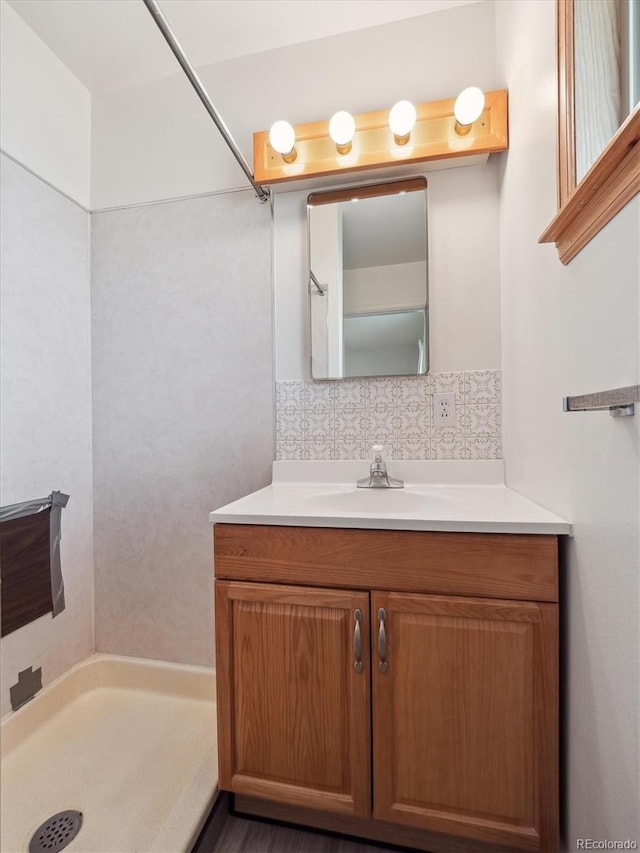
465 717
293 707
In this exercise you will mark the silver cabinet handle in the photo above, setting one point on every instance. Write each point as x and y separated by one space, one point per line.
357 641
382 640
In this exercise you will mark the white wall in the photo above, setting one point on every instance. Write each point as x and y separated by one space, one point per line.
389 361
183 409
366 289
574 330
46 403
326 263
155 141
45 113
464 276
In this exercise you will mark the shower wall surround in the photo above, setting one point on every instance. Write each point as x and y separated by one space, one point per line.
46 402
182 409
343 419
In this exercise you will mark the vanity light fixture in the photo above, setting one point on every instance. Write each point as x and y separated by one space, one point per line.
282 138
467 109
342 128
402 120
365 141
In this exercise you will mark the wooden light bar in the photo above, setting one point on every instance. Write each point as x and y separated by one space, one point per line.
433 138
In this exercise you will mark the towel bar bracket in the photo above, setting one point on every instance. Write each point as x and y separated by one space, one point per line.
622 411
619 402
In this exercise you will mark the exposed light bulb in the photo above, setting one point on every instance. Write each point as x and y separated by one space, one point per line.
282 138
402 119
468 108
341 129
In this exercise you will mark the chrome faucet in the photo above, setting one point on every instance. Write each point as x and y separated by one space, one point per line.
378 477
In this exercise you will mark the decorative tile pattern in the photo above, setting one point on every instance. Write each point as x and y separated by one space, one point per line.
319 449
292 450
381 393
484 447
350 393
351 450
482 386
290 395
414 422
343 419
444 383
319 425
320 395
381 425
414 391
290 424
411 449
349 425
482 420
451 445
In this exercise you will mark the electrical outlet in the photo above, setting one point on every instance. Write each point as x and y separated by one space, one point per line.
444 409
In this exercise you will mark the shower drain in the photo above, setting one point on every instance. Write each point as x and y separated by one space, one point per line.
56 832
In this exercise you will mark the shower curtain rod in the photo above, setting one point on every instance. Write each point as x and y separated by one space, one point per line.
178 52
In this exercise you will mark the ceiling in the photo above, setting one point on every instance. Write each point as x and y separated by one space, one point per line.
113 44
383 230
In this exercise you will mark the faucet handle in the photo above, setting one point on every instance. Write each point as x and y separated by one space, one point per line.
378 477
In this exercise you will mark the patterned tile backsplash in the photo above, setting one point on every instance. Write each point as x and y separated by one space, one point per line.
343 419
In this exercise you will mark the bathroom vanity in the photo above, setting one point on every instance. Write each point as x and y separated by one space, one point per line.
391 672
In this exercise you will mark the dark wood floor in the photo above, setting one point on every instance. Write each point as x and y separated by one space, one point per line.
240 835
226 833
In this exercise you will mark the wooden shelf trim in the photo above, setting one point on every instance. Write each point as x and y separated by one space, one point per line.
433 138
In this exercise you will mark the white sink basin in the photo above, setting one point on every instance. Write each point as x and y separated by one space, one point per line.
379 501
460 495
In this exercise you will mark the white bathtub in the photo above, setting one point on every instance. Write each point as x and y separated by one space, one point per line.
130 743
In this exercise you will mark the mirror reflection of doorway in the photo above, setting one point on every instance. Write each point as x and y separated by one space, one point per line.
385 344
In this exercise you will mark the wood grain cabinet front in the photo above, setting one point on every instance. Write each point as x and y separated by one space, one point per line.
462 741
414 718
293 709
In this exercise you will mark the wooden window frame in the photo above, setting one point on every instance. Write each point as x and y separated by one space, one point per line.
614 179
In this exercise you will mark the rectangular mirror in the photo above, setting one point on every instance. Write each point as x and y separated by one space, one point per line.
368 280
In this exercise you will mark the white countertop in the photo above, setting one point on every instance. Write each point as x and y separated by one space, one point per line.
456 496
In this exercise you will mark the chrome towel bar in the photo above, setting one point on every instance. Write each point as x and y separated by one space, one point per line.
618 401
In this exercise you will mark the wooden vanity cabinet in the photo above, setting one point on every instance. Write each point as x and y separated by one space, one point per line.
437 728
